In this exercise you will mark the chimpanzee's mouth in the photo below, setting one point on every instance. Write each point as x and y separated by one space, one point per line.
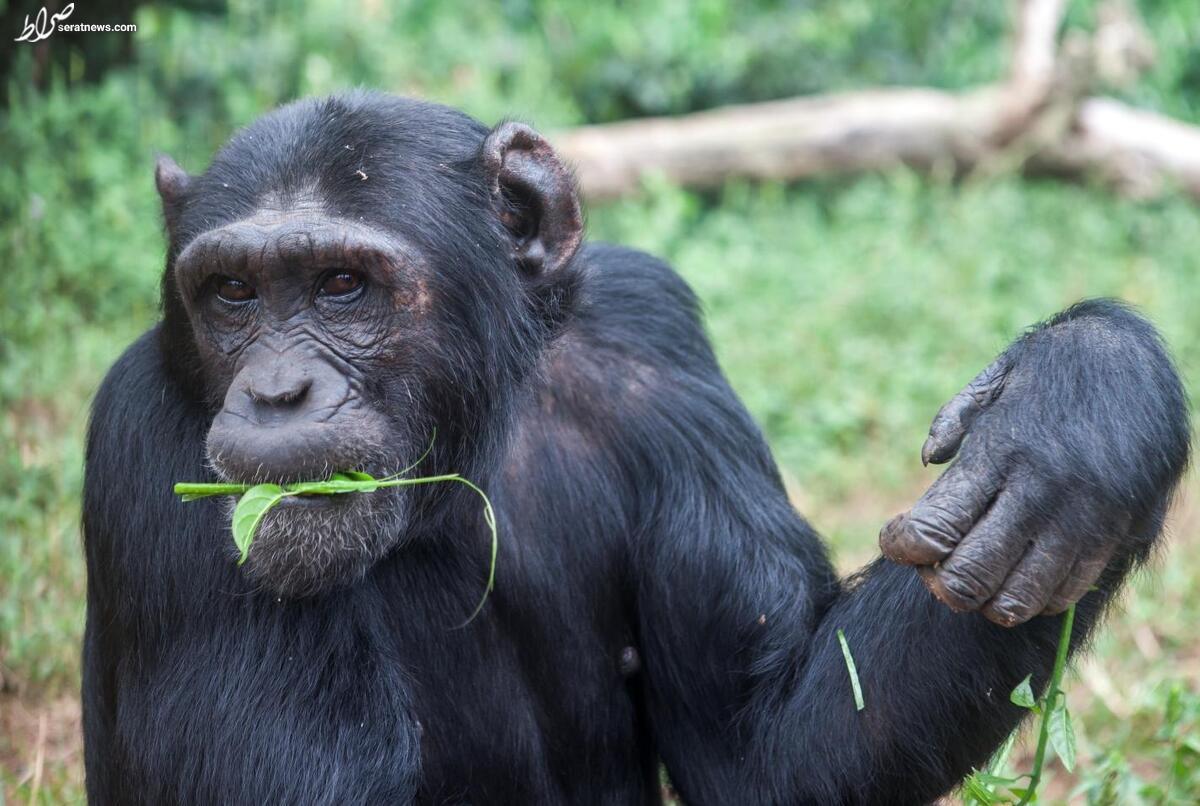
315 500
307 544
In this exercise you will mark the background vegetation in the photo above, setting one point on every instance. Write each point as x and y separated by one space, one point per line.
844 312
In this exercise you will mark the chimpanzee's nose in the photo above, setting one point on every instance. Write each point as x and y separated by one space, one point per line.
286 416
278 389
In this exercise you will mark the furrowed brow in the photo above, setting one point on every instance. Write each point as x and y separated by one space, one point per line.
250 245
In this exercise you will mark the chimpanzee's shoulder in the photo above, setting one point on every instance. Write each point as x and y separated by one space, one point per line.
638 303
628 279
142 423
128 386
144 435
138 394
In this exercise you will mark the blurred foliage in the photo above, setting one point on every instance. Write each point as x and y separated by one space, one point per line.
82 152
845 312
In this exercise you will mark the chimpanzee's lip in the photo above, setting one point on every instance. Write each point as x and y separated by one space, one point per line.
310 500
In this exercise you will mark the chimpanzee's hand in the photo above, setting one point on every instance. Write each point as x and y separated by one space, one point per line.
1078 434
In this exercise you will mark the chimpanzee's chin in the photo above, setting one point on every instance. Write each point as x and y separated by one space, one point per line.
309 547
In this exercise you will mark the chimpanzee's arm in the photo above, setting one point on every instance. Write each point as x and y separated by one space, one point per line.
1077 437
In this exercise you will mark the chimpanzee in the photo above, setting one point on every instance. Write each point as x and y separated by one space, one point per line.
354 275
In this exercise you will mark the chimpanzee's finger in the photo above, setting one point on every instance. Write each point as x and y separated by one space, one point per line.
1080 579
954 419
944 515
1033 582
978 566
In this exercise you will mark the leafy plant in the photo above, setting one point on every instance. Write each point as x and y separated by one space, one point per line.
1167 737
258 499
991 787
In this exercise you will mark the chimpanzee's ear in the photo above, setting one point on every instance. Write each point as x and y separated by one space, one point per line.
533 193
172 183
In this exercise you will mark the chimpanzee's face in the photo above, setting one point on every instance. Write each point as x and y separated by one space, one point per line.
312 331
353 276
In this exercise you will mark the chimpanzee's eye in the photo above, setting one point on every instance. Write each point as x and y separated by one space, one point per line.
341 283
231 290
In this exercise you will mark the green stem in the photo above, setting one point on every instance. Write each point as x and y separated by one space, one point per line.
198 488
1052 694
421 480
489 516
192 490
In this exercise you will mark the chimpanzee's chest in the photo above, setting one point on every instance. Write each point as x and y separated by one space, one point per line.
519 707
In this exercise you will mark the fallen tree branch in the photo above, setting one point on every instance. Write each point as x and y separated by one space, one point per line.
1034 50
792 139
1039 119
1140 152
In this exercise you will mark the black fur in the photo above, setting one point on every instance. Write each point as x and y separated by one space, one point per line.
639 508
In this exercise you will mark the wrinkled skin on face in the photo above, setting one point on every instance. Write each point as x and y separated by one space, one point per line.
294 312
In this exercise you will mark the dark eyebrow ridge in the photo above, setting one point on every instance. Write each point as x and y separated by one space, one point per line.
249 245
